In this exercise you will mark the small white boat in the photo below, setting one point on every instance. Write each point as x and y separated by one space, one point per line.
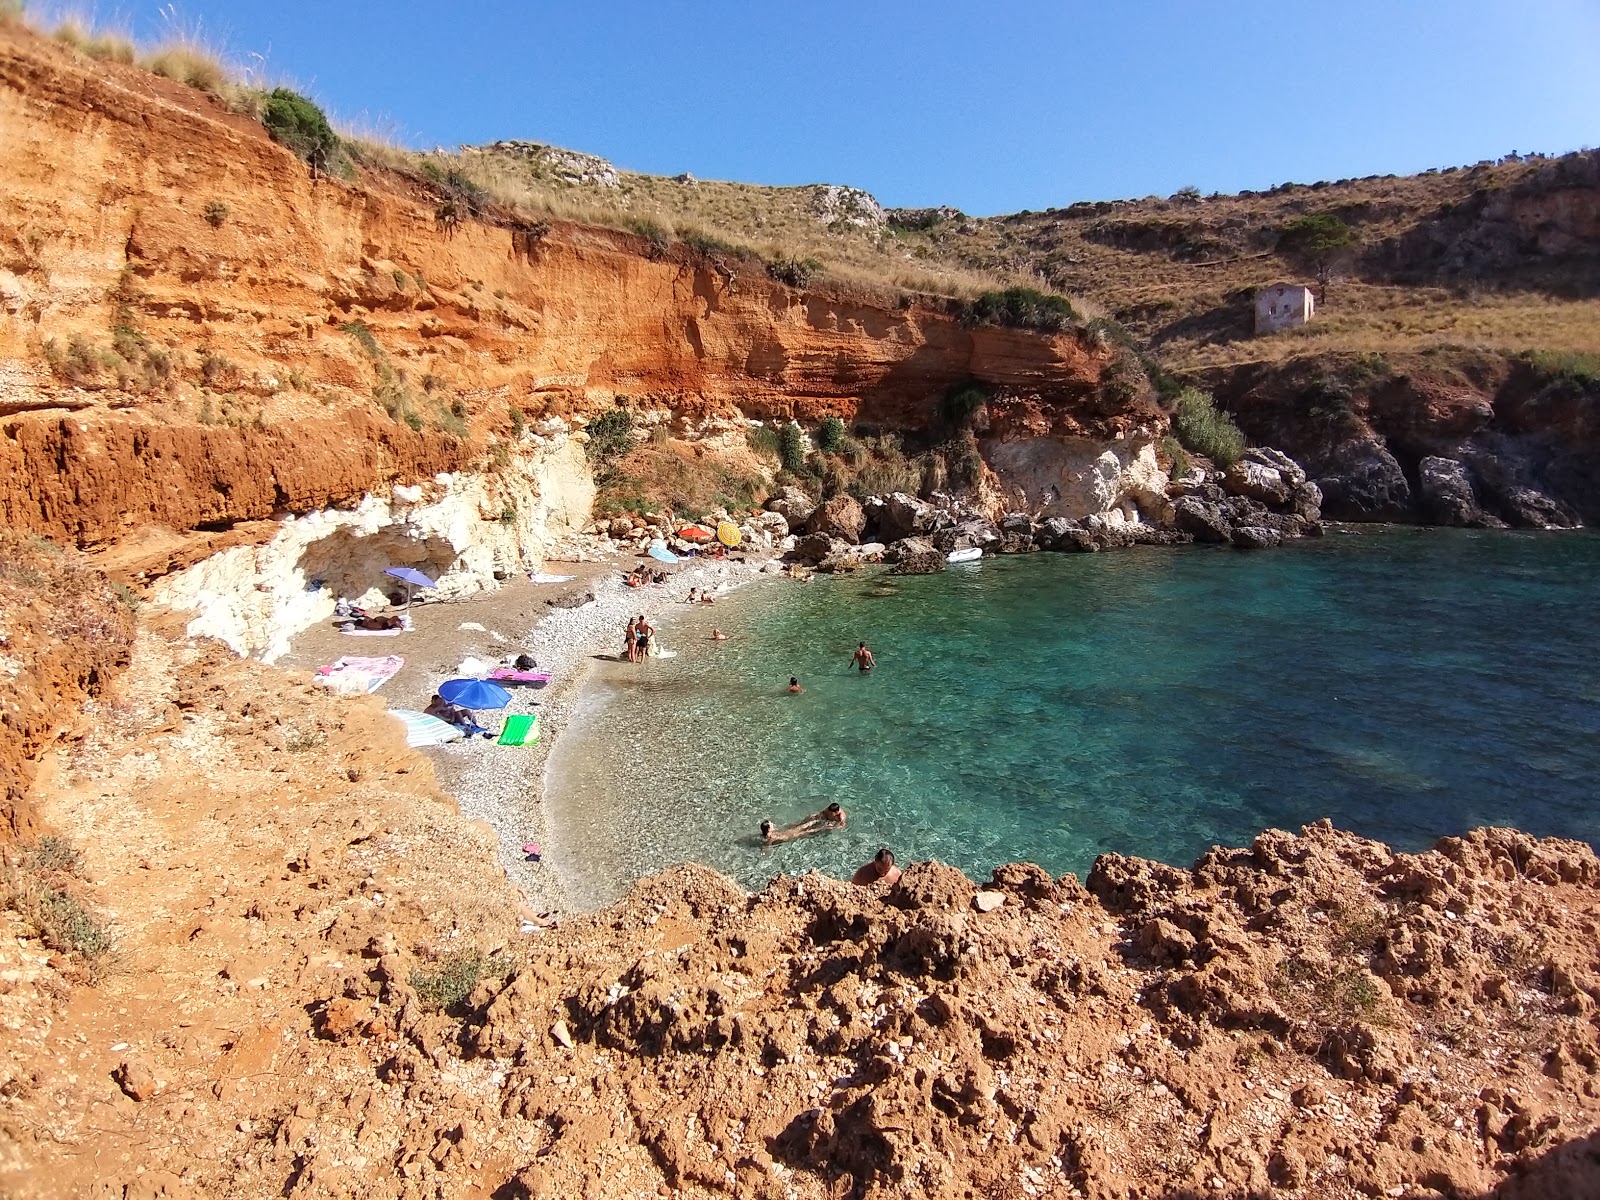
971 554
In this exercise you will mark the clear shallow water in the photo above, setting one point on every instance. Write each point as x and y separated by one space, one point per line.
1405 683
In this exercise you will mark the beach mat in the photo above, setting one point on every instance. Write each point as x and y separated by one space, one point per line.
423 730
352 675
521 729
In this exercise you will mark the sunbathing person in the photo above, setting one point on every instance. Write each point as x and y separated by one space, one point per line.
453 714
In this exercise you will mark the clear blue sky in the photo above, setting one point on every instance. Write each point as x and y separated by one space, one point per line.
989 107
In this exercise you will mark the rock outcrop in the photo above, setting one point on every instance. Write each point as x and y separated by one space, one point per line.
1522 432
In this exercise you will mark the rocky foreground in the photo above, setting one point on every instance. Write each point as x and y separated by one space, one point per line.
317 987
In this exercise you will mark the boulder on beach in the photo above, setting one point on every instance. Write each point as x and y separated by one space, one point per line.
792 504
901 516
840 517
1200 518
814 547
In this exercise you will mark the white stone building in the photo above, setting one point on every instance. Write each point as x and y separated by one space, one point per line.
1283 305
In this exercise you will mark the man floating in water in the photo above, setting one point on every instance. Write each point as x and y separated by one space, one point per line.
832 817
863 658
880 870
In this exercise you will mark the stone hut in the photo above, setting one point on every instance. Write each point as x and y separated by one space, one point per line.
1283 305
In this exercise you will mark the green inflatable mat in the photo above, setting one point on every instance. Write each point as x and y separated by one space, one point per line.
520 730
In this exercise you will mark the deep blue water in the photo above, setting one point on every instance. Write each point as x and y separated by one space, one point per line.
1405 683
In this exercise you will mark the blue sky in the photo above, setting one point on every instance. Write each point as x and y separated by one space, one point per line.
992 108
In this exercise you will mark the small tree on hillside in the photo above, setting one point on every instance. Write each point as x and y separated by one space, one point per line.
297 123
1320 243
792 447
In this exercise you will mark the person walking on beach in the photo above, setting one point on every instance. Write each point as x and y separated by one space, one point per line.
880 870
794 686
863 658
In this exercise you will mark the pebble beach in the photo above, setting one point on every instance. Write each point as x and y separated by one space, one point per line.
504 786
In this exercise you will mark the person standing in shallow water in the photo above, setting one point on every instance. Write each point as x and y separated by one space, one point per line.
794 686
863 658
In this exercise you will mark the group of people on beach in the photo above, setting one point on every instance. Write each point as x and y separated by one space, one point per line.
640 576
637 638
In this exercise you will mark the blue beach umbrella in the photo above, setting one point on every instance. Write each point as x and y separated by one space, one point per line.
659 552
475 693
411 577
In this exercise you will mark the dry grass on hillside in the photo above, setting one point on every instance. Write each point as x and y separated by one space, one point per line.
1180 272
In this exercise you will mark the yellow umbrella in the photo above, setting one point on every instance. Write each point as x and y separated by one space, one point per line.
728 534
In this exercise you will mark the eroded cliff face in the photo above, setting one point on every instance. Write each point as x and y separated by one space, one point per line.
196 331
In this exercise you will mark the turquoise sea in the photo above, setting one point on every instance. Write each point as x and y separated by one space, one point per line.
1406 683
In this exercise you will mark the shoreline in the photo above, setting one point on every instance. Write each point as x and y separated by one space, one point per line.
510 792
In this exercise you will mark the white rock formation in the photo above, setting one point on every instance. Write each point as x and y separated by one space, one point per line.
1077 478
462 530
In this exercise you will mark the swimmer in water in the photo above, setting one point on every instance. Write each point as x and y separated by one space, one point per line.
718 636
880 870
863 658
794 686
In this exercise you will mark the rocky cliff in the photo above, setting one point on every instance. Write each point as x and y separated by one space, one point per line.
197 331
1468 438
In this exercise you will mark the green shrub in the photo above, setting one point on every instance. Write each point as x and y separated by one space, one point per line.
1201 427
651 230
1021 308
1567 366
297 123
64 924
961 403
763 439
215 212
796 272
446 989
1180 460
830 435
610 435
792 447
411 418
363 335
706 243
51 853
217 371
519 423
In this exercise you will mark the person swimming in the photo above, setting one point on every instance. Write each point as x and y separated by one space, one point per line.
718 636
832 817
863 658
880 870
794 686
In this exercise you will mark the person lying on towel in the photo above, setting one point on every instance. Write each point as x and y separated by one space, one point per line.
452 714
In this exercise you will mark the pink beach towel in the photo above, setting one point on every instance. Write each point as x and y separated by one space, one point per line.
352 675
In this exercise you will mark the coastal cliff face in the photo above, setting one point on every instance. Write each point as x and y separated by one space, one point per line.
197 332
1463 439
